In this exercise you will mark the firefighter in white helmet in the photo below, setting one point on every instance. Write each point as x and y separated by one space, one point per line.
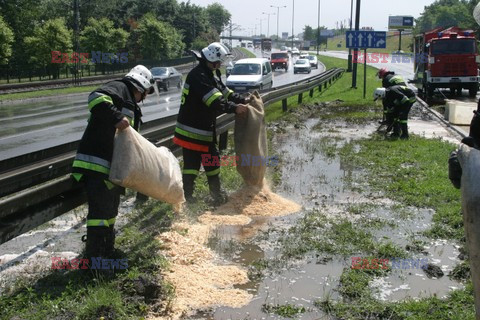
204 97
397 102
112 106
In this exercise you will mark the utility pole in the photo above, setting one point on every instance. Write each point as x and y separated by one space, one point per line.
268 22
349 67
355 50
278 15
293 20
318 27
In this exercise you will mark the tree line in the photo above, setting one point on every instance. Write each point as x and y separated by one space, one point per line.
145 29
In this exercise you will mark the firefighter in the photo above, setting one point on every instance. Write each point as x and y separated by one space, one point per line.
390 79
112 107
397 101
204 97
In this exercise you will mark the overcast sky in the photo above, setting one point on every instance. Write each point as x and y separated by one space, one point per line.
373 13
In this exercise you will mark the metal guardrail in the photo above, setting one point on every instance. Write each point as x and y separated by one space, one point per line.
37 187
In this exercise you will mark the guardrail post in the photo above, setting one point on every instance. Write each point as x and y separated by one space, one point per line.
300 97
325 85
311 93
222 144
320 87
284 105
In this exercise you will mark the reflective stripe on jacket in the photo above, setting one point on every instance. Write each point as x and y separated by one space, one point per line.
107 105
204 98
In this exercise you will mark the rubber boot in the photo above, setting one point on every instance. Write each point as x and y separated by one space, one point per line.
396 130
404 128
110 243
95 246
188 186
219 196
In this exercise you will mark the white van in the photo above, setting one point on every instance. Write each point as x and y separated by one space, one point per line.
250 74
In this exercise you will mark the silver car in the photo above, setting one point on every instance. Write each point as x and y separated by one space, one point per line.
302 65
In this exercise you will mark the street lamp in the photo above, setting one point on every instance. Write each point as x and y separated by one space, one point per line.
268 22
260 25
349 66
318 27
278 15
293 15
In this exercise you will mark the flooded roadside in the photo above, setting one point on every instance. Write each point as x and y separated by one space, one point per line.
288 284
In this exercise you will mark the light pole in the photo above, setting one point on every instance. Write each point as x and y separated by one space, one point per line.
268 21
278 15
260 25
293 15
318 27
349 67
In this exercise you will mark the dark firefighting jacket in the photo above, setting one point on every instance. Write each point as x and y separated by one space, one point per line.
398 97
107 105
204 97
391 79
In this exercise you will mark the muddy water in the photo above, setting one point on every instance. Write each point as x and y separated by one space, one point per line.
316 178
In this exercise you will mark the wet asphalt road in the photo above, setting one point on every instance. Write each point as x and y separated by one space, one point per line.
39 124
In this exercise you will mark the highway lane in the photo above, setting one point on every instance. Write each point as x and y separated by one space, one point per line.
37 125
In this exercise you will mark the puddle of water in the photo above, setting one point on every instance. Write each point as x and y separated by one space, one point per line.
315 180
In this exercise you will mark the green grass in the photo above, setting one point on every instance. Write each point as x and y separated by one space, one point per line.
247 52
46 93
415 173
341 90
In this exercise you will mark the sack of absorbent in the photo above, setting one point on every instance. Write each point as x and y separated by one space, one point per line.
251 143
139 165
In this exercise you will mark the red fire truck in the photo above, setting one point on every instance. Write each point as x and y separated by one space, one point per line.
446 58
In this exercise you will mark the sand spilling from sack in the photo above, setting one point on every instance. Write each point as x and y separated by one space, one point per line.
234 220
257 201
199 282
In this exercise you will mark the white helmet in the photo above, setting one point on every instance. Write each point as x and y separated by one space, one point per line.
379 93
143 78
216 51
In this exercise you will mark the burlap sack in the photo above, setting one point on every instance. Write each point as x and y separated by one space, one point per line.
469 159
139 165
251 143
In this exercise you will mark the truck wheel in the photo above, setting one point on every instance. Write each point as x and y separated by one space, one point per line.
429 91
472 92
459 92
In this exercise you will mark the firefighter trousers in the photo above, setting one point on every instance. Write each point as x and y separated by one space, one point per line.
192 160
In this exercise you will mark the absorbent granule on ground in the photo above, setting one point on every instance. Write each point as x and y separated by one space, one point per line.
199 281
257 201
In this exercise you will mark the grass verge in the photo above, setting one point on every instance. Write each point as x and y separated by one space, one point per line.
46 93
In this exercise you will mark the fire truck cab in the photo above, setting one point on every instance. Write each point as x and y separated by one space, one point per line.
446 59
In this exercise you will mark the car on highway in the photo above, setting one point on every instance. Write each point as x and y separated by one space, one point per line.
167 77
295 51
302 65
250 74
229 68
279 60
313 61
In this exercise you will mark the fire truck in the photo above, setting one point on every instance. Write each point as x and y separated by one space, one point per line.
446 58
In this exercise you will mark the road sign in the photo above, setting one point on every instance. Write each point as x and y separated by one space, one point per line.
400 22
366 39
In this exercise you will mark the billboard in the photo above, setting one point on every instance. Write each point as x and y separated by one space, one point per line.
400 22
284 35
